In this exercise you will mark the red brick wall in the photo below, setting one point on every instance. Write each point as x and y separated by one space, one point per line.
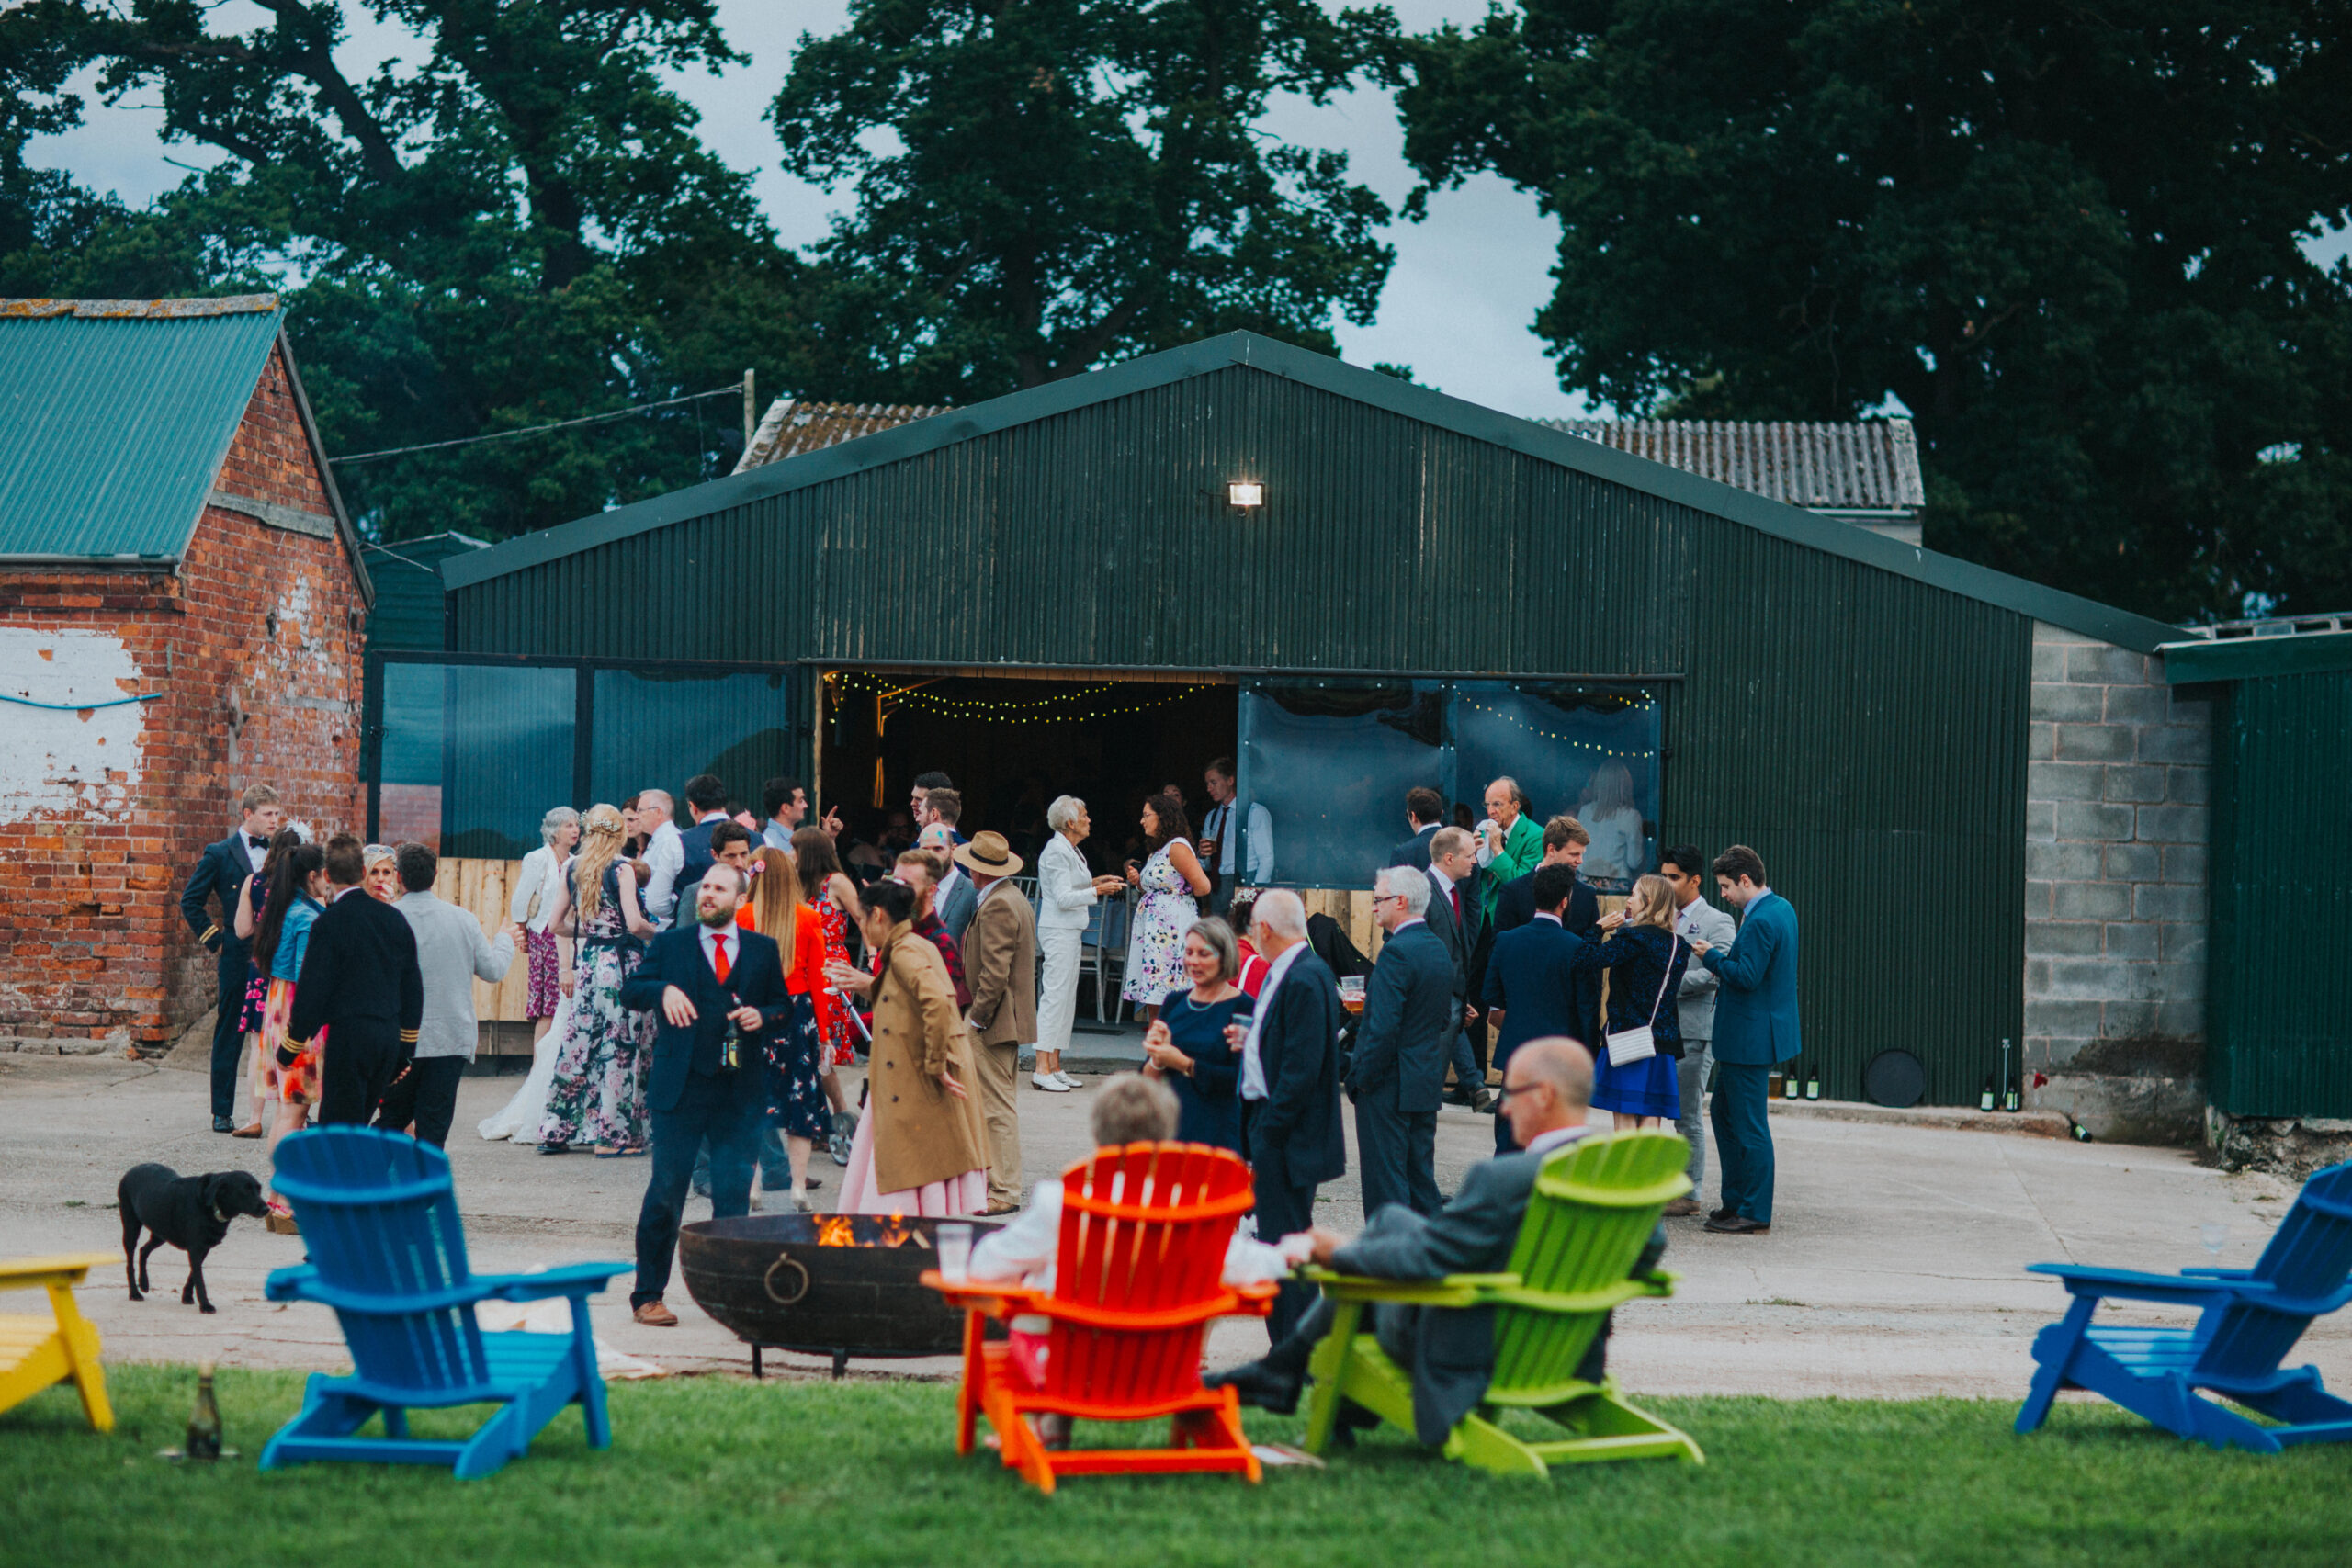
90 880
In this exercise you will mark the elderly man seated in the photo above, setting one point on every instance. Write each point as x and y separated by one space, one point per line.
1450 1351
1128 1109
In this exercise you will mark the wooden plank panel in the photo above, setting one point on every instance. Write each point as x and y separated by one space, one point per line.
480 888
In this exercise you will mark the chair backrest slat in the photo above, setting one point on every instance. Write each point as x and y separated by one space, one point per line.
2309 1256
1592 1211
378 1213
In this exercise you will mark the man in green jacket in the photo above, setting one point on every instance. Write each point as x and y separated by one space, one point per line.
1515 842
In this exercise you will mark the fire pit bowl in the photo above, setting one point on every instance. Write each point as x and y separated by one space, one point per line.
838 1285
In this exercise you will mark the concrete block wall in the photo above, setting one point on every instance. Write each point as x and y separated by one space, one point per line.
2116 830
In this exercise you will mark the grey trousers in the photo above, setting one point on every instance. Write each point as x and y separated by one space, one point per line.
1691 1079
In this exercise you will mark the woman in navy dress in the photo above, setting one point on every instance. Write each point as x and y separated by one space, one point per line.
1645 960
1185 1045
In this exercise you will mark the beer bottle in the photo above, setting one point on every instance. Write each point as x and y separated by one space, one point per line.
1985 1101
204 1423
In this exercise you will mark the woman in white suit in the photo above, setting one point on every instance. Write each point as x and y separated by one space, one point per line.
1065 892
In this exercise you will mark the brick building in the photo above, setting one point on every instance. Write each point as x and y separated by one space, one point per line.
182 606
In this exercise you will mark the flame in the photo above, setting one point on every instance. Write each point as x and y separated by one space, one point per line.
835 1230
841 1230
896 1234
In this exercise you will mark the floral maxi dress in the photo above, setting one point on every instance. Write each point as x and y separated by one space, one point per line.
1155 958
599 1091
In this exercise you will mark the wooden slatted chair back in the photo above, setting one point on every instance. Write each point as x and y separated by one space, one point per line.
1592 1211
378 1213
2308 1256
1144 1229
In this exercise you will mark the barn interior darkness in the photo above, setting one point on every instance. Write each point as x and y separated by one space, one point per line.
1012 743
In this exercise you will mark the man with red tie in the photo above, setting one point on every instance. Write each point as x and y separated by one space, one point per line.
718 993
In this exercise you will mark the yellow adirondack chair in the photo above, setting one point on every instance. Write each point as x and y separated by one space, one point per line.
36 1352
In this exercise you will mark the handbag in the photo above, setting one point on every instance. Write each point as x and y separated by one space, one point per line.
1629 1046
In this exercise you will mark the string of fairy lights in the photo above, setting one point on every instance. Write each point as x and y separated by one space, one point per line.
1005 711
1517 722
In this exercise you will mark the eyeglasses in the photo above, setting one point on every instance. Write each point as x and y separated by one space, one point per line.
1503 1093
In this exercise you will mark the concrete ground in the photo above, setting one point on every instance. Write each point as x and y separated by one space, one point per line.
1893 1268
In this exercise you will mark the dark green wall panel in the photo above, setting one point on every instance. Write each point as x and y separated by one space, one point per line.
2281 932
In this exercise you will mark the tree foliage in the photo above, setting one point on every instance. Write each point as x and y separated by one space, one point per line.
1042 185
2065 237
521 226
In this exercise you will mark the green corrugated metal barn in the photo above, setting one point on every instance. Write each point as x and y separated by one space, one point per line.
1425 586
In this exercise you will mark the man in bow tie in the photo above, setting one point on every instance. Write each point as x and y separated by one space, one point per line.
219 876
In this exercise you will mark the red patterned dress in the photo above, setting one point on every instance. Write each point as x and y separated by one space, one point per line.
833 1029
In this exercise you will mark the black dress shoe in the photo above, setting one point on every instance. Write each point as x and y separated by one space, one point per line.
1720 1214
224 1124
1482 1103
1735 1224
1258 1385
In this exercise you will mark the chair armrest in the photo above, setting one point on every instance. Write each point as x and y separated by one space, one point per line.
1009 1300
1601 1300
2220 1273
571 1280
304 1284
2082 1280
65 1268
1452 1290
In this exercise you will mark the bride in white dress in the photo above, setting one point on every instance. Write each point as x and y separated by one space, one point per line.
519 1120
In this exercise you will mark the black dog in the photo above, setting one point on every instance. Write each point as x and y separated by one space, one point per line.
192 1213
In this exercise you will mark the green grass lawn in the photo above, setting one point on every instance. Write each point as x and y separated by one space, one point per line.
706 1472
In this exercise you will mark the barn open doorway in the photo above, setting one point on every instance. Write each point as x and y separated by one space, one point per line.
1012 742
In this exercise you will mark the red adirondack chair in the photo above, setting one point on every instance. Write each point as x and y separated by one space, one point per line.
1139 1278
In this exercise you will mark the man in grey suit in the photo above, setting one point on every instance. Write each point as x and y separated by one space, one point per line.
955 900
1685 869
1456 914
1397 1075
1547 1086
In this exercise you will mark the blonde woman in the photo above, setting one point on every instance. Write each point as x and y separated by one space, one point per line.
1645 960
795 1079
599 1089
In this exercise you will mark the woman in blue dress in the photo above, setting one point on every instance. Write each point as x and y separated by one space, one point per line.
1645 960
1185 1045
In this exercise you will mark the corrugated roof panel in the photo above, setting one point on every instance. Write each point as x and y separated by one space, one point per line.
792 427
1868 466
113 424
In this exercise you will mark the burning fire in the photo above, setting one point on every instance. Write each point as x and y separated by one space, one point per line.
841 1230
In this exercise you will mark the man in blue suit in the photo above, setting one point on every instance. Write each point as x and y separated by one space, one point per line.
1397 1075
1755 1029
219 876
1424 814
1290 1085
707 798
1531 991
703 979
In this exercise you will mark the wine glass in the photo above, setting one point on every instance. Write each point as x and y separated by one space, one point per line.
2214 1235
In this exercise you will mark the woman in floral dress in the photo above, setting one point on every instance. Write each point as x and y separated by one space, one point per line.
832 899
1172 884
599 1091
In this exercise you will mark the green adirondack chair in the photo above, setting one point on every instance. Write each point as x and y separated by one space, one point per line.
1593 1208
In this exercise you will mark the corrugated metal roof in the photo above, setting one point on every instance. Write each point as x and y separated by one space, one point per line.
1870 467
115 415
791 427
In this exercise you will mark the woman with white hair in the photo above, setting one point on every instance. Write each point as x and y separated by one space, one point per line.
541 875
1067 893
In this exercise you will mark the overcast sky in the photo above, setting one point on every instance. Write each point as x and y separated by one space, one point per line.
1458 304
1457 307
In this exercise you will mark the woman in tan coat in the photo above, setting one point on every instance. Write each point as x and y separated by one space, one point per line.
920 1147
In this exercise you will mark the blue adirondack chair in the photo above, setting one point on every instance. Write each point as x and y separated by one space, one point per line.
2251 1318
379 1215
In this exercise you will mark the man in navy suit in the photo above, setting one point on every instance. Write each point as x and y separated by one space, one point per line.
1531 991
707 799
702 978
1456 916
1289 1084
219 875
1425 814
1397 1075
1755 1029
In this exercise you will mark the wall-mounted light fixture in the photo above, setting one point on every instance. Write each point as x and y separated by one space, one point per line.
1245 493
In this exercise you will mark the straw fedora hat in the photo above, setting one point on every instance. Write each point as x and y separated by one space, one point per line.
989 854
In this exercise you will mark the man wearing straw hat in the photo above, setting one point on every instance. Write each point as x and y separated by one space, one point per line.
1001 963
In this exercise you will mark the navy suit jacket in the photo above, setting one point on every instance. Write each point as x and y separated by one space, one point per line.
1409 1006
1756 1007
696 842
1515 906
756 978
1415 851
1298 1121
1529 976
218 874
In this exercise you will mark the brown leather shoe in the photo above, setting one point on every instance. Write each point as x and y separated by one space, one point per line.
1682 1207
653 1315
250 1130
1737 1224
